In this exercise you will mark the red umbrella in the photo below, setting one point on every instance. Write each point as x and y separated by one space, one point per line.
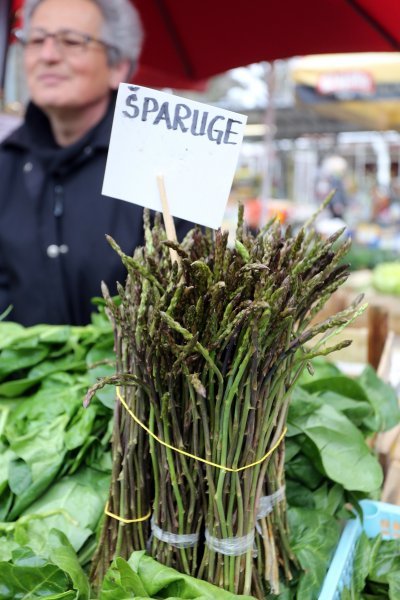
187 42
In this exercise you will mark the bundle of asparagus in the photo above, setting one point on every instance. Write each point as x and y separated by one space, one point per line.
209 348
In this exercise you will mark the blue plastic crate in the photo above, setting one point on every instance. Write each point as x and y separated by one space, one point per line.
378 517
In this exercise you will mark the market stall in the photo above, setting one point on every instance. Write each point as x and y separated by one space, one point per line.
194 441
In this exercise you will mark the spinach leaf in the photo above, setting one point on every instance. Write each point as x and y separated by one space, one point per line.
63 555
383 399
387 560
20 476
340 384
62 508
30 581
12 360
314 536
122 583
344 455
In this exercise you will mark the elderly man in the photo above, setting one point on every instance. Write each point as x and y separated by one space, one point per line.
53 217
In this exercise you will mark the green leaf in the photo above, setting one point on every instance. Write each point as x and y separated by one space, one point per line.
10 332
355 410
300 468
6 457
6 549
14 360
362 562
73 505
159 580
386 561
322 369
340 384
46 368
80 430
19 476
122 583
382 397
329 498
12 389
299 495
34 491
302 403
62 554
344 455
101 363
394 585
31 582
314 537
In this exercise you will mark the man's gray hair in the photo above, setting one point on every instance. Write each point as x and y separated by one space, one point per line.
122 28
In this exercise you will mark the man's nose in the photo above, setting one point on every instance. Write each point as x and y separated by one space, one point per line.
50 50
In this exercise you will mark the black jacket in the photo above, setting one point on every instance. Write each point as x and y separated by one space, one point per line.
53 222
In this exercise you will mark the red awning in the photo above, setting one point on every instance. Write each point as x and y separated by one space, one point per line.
188 42
191 41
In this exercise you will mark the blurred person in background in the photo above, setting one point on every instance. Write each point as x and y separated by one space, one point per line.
332 178
53 217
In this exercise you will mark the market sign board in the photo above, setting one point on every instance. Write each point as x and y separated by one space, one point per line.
192 145
346 84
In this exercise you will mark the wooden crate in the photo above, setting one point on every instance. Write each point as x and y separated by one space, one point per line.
372 339
352 360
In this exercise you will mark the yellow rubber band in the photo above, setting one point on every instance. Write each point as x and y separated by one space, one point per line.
122 520
203 460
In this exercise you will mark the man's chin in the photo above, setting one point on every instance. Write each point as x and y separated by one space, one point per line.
49 102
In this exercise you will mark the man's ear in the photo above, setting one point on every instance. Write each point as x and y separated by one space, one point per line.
120 73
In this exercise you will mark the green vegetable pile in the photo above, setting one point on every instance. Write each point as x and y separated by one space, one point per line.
53 452
45 552
376 574
329 464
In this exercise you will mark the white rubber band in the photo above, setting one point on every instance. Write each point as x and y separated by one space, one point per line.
235 546
187 540
267 503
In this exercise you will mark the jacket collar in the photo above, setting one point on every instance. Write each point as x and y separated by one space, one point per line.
35 133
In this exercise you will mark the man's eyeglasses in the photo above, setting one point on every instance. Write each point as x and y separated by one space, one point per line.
68 42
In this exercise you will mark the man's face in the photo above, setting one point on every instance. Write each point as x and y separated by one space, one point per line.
64 78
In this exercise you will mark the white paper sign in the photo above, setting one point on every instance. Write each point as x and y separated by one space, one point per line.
194 146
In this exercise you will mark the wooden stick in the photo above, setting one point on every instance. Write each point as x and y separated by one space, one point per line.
377 333
168 220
